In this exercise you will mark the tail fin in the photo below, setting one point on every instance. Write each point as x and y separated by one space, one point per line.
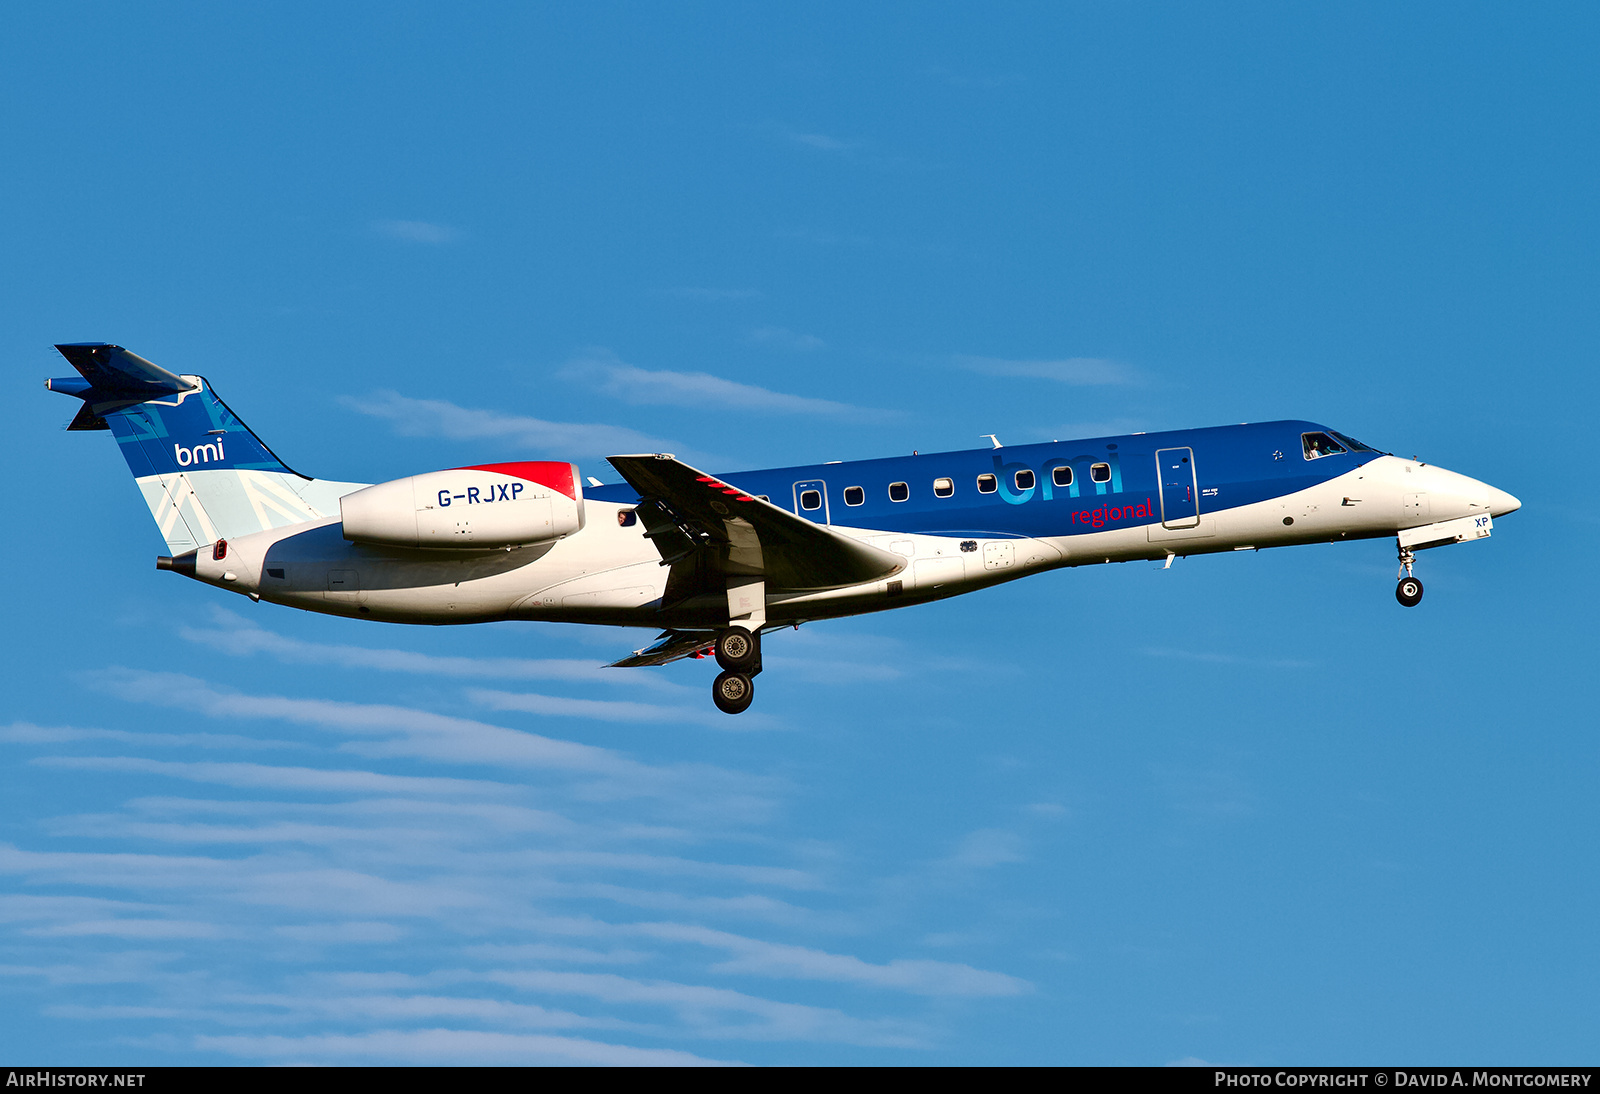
201 470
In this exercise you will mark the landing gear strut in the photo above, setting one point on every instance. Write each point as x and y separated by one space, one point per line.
1409 591
739 653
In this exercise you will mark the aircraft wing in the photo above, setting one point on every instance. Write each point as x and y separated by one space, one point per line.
709 530
669 646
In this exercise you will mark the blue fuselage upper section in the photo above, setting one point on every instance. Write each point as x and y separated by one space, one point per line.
1054 489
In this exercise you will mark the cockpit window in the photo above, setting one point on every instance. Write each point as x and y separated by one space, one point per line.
1352 444
1318 445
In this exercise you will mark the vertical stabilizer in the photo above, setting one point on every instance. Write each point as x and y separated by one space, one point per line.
204 474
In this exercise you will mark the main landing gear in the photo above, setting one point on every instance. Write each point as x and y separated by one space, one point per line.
738 651
1409 591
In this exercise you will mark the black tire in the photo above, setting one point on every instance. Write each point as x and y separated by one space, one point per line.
1409 592
737 650
733 692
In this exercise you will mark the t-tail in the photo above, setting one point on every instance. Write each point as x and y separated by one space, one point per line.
203 473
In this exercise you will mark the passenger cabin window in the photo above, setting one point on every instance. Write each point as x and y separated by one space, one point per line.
854 495
763 497
1061 476
986 484
899 491
1318 445
811 499
1100 472
627 518
1024 480
943 488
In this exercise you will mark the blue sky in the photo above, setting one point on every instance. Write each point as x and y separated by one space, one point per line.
1247 810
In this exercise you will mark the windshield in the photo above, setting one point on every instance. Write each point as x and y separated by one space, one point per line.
1318 445
1353 444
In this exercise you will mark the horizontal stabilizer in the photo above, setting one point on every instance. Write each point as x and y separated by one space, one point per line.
114 378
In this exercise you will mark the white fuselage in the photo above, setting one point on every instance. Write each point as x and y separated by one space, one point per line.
610 573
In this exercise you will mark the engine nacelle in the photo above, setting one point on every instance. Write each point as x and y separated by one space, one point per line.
495 505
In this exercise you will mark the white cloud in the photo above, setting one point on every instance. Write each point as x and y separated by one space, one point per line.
237 635
608 710
711 296
131 928
1213 657
383 730
416 231
784 338
701 389
987 847
449 1046
1105 427
1078 371
921 977
439 418
411 731
28 733
342 933
718 1012
819 141
260 776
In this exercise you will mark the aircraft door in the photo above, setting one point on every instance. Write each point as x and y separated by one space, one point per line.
811 500
1180 496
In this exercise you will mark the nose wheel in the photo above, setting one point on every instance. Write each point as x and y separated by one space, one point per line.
1409 591
738 651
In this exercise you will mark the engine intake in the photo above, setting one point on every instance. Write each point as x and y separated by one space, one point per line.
492 505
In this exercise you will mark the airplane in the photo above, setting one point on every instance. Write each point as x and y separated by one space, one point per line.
717 561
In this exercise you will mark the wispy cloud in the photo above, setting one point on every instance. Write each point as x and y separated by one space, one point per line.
439 418
268 914
920 977
820 142
1213 657
823 237
986 848
1105 427
709 295
28 733
784 338
720 1012
416 231
978 80
377 730
268 776
700 390
449 1046
234 634
605 710
1078 371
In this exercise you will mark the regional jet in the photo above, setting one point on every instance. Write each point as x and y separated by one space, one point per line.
716 561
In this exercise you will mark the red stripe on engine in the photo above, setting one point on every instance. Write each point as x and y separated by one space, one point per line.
560 477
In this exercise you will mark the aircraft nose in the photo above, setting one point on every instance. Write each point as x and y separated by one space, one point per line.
1501 503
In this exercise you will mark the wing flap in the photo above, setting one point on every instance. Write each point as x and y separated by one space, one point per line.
687 511
669 646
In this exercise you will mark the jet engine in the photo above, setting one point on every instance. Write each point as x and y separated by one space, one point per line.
477 508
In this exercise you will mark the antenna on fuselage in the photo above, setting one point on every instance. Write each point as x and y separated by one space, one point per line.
992 439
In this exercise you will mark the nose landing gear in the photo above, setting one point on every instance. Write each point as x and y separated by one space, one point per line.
1409 591
738 651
